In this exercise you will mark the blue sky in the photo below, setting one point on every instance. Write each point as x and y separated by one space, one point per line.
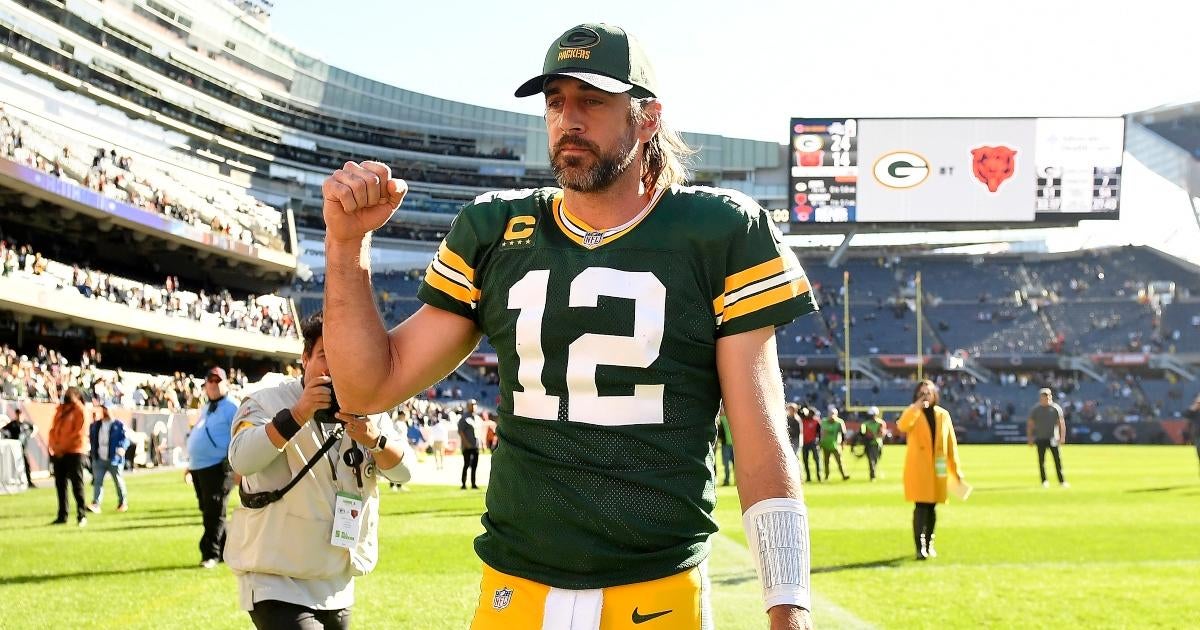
741 69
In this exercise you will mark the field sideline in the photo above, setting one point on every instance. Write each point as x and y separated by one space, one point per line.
1118 549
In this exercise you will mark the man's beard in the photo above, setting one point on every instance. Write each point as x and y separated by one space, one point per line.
572 174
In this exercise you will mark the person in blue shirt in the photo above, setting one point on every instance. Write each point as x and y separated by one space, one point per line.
208 464
109 441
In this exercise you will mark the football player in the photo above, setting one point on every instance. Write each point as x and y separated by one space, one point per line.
622 306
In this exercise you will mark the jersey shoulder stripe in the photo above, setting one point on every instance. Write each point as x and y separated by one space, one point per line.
480 224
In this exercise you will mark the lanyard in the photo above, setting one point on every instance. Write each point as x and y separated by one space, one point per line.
328 456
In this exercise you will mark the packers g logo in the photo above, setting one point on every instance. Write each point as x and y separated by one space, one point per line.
901 169
582 37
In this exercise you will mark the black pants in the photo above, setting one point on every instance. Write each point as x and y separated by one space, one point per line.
837 455
68 467
212 487
1042 447
29 468
924 521
276 615
470 462
808 449
874 452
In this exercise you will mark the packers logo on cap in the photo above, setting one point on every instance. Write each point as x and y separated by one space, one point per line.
574 44
579 37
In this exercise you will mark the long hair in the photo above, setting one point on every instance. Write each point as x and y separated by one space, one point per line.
934 399
933 389
666 156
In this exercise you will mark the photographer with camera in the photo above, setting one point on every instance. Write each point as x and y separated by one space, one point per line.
309 516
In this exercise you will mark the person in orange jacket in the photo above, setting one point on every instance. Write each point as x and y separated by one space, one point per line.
931 457
67 442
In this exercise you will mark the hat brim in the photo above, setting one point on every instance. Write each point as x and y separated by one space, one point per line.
600 81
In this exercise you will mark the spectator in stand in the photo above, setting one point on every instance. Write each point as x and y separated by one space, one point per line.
108 440
208 466
930 458
812 437
68 441
1047 429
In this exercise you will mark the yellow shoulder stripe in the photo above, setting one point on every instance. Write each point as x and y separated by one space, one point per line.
796 287
754 274
453 289
455 262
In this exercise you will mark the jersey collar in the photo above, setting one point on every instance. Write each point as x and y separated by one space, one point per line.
585 235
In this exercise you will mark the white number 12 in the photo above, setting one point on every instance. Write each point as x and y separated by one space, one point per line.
590 350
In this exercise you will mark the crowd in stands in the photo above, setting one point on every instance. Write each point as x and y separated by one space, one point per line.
268 315
124 177
46 375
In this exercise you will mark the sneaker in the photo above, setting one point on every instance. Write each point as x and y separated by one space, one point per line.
124 507
59 521
1065 484
83 522
94 508
474 487
210 563
845 477
1045 484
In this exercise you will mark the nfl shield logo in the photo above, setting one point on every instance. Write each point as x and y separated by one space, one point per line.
502 598
592 239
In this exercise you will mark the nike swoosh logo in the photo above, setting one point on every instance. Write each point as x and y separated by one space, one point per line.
639 618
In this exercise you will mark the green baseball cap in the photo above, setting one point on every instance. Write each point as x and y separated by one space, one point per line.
601 55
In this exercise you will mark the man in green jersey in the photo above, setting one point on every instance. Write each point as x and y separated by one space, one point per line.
833 436
872 432
622 306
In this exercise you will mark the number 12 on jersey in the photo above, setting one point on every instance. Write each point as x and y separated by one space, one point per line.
584 402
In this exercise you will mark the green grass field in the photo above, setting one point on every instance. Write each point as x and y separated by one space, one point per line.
1119 549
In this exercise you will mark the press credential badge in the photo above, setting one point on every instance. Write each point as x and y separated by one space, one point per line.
347 513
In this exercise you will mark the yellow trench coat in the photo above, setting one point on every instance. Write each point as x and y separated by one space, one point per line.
922 484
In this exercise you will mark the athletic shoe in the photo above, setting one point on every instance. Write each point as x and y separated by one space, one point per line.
1045 484
94 508
1065 484
210 563
124 507
83 522
59 521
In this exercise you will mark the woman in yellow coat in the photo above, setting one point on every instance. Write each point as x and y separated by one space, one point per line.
931 456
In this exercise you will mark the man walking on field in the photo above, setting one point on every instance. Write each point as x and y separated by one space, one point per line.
1047 429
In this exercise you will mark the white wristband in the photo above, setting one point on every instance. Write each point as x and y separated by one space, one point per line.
777 532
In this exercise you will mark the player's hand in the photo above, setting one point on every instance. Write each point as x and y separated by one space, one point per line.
359 428
360 198
316 396
790 618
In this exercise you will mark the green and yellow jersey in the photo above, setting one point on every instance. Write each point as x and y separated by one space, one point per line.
873 429
832 430
606 346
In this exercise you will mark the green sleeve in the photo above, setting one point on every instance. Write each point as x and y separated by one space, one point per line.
764 282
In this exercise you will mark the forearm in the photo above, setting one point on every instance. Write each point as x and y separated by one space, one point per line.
356 343
252 449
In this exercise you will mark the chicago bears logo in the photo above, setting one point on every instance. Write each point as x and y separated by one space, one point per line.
993 165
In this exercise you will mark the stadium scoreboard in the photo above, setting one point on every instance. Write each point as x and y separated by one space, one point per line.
954 170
